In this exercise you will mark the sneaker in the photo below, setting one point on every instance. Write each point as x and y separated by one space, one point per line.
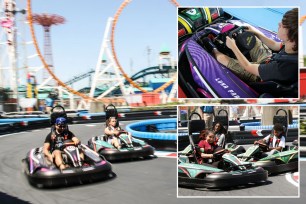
208 44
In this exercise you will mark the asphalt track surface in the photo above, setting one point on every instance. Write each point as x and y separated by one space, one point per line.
143 181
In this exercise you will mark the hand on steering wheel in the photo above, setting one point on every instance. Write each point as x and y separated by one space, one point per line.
262 145
219 153
230 43
122 132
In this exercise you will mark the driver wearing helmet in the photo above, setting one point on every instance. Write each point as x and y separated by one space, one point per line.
275 141
55 140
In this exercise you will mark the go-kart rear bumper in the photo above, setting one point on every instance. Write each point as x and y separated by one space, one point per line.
224 179
49 178
137 152
274 168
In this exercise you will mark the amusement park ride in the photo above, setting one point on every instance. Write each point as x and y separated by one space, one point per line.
108 71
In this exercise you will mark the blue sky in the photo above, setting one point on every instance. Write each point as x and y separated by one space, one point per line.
143 24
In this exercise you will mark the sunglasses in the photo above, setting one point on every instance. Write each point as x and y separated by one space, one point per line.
61 126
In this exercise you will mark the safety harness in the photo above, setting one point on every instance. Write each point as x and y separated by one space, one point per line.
282 56
270 141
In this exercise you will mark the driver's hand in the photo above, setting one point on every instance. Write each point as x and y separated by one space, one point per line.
252 29
116 132
230 43
256 142
211 156
76 141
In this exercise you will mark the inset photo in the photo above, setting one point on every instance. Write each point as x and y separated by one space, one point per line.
235 151
238 52
303 132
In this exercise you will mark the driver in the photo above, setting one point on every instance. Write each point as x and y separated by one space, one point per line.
220 133
263 67
207 147
55 139
112 131
275 141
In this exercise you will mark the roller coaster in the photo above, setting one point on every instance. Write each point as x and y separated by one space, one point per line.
155 71
65 86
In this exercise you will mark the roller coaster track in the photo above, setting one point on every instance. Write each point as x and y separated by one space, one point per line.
151 71
84 96
302 19
138 75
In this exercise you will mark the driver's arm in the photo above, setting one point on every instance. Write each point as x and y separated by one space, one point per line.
273 45
277 148
243 61
46 151
260 141
111 132
207 156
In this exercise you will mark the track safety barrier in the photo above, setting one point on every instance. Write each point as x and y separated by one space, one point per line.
9 124
160 133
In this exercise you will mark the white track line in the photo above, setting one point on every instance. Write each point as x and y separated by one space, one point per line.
291 180
17 133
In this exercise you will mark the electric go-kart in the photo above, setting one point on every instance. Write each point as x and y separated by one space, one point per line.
202 76
229 172
278 162
42 173
130 148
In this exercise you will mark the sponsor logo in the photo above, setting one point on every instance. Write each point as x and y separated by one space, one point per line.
225 86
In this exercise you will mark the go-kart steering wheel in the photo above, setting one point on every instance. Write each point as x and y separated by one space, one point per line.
68 143
234 33
122 132
218 154
263 146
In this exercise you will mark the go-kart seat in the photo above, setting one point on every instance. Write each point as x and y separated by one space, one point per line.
56 112
272 89
196 126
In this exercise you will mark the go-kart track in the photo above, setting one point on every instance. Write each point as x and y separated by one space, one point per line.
138 181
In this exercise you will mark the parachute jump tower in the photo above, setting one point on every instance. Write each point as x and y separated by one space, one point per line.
46 21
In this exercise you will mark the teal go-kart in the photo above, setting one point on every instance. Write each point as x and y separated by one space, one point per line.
130 149
230 172
278 162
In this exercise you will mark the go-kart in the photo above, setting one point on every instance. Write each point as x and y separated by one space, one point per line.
229 172
278 162
130 148
202 76
40 172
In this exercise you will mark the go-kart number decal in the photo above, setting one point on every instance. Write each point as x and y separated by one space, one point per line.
70 148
